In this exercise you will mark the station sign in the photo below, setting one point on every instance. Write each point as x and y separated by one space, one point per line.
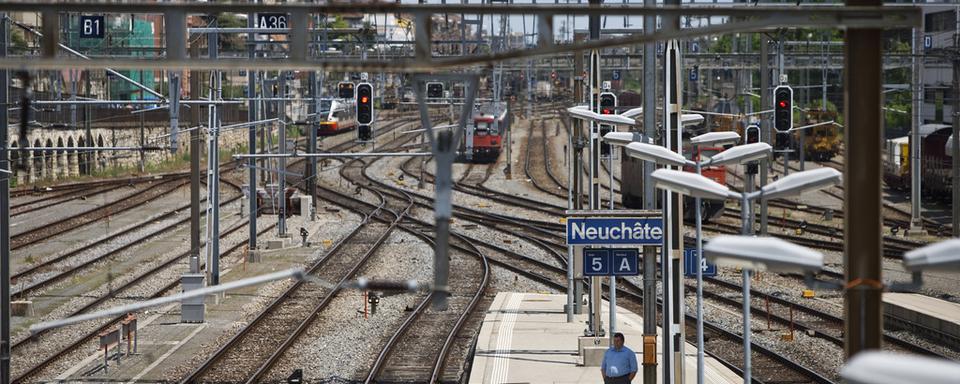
611 262
614 230
91 27
272 20
690 265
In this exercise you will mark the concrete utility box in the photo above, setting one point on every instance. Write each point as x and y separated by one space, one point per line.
306 206
593 356
592 349
21 308
192 310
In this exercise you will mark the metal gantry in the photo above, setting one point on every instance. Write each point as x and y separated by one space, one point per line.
863 18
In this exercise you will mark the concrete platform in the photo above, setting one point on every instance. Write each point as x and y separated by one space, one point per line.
525 339
931 317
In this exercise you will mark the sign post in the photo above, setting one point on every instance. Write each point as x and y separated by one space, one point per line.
601 229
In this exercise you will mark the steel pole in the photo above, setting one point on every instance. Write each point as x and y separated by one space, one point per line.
649 202
746 229
195 168
311 126
282 162
596 328
252 137
766 135
699 279
862 188
579 144
570 205
5 322
916 221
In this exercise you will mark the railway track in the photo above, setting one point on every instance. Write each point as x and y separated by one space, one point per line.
768 358
39 275
49 346
103 212
301 303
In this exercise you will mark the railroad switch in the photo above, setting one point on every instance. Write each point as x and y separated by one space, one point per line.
303 235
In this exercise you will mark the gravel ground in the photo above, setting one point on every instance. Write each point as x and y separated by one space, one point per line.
827 360
92 233
38 219
341 330
146 288
332 226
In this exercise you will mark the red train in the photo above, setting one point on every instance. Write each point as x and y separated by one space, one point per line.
336 116
710 209
483 140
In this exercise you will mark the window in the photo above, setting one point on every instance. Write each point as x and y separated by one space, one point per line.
940 21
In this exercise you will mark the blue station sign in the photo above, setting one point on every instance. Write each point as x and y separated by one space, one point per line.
690 265
614 230
611 262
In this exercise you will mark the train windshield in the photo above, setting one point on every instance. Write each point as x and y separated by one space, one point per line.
325 106
482 128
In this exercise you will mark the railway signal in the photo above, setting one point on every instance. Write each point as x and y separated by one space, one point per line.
345 90
753 136
608 105
783 108
435 90
365 103
365 113
364 133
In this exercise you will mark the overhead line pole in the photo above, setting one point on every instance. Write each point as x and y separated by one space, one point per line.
916 222
766 135
195 169
252 136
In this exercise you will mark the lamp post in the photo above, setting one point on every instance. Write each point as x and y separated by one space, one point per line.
941 256
664 156
758 253
582 112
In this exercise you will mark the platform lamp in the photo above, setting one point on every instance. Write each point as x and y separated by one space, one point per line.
874 367
944 255
583 112
747 252
739 154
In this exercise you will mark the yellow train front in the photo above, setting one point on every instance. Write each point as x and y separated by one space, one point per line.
821 143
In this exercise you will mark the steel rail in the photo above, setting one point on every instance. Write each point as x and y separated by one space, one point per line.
49 230
47 361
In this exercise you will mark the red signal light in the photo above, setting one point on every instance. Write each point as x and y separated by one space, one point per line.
783 103
606 111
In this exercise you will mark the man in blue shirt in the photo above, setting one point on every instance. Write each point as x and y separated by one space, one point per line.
619 363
